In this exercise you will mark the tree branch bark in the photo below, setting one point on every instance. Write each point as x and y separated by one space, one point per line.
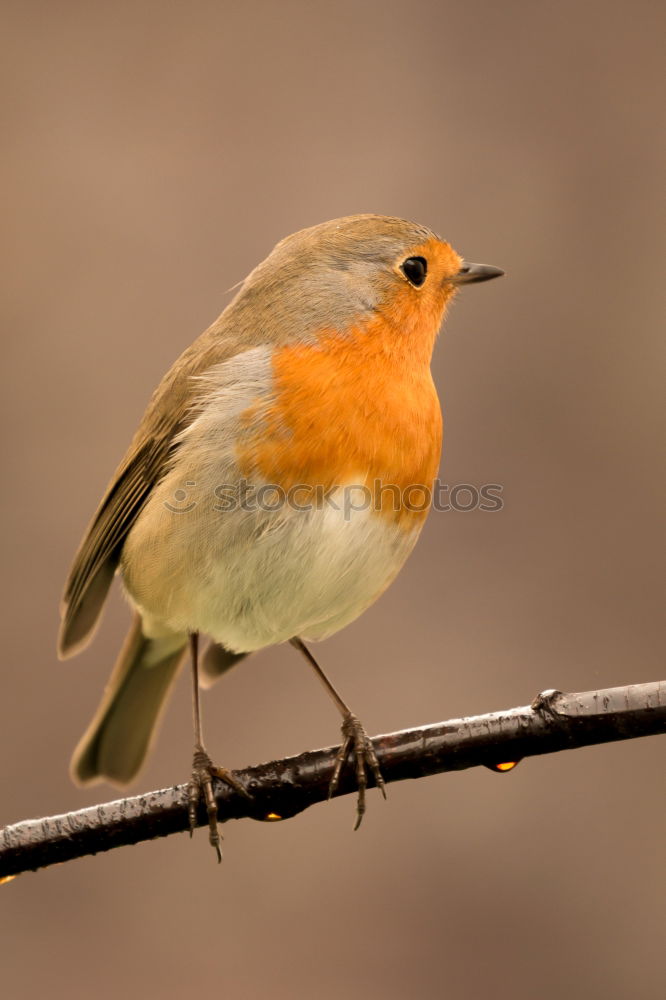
281 789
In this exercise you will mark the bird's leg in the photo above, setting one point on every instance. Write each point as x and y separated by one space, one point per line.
203 769
355 738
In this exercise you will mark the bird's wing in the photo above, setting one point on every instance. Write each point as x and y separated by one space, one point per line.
146 461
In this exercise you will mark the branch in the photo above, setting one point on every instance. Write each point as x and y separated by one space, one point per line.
283 788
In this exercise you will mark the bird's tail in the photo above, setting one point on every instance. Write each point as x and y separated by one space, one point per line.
117 740
216 661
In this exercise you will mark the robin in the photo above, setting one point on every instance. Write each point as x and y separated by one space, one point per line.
275 486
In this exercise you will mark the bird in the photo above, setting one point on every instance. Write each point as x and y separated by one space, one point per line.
274 488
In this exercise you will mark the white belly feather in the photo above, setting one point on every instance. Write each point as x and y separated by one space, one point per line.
253 580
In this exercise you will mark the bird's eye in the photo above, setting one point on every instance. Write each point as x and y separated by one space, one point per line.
415 270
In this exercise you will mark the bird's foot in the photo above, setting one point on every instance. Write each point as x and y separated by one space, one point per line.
200 786
356 739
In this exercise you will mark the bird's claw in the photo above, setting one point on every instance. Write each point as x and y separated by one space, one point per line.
355 738
200 786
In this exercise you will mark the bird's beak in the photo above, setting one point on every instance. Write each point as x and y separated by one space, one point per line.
469 273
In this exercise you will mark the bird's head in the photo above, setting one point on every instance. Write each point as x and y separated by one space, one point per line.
344 274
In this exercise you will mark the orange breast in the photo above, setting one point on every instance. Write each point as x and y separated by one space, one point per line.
359 407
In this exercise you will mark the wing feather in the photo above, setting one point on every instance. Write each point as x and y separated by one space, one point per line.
148 458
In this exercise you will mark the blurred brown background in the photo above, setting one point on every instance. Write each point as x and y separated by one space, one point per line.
153 153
